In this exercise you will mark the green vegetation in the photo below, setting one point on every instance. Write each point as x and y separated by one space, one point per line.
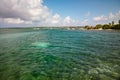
105 26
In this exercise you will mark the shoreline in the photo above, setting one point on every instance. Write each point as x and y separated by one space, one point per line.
66 28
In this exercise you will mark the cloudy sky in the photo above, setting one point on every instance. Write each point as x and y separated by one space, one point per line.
32 13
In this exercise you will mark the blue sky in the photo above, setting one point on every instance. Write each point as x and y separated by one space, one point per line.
58 12
78 8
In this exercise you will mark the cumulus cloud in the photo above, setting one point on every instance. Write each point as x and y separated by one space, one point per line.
29 12
115 16
85 22
68 20
110 17
13 21
56 19
23 11
100 18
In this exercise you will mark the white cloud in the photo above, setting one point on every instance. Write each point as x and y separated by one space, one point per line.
67 20
85 22
30 12
111 17
13 21
114 16
100 18
56 19
23 10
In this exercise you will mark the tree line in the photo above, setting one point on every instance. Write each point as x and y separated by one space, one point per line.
105 26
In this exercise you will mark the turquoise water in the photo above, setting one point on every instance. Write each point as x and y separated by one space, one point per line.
27 54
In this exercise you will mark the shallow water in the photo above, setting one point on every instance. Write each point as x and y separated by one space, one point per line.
27 54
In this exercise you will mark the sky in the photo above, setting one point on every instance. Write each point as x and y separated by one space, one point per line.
35 13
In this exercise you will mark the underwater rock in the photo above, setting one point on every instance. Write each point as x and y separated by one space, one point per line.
27 76
92 71
104 77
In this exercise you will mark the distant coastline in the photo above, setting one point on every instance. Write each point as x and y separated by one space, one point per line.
110 26
104 26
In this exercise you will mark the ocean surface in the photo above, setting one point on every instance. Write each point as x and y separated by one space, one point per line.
59 54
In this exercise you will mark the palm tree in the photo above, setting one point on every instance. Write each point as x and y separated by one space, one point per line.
119 24
112 23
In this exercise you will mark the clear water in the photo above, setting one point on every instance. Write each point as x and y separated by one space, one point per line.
27 54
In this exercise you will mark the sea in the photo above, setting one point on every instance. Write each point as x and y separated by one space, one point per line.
59 54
